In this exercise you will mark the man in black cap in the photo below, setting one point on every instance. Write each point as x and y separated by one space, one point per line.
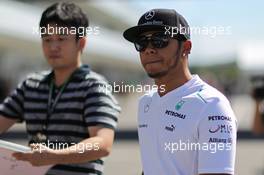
186 127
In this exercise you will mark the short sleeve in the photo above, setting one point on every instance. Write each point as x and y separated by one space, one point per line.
13 107
217 132
101 107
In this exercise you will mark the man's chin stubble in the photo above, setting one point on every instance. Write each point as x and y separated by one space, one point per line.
157 75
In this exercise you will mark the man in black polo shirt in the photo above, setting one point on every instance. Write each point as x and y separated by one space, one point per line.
68 109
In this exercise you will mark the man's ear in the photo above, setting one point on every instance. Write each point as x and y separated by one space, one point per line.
82 43
187 46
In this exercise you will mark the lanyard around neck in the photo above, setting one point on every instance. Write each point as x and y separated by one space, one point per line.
51 106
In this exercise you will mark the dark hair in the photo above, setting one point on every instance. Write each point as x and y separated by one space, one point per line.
65 14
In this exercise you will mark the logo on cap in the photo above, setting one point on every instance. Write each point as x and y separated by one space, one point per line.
149 15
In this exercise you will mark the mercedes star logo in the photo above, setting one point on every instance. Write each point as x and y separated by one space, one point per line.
149 15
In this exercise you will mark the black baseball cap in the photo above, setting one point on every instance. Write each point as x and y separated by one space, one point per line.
160 20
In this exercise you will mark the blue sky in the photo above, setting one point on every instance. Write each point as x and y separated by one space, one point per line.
244 17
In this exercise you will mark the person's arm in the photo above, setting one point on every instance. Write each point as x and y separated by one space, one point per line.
102 141
6 123
258 125
12 110
97 146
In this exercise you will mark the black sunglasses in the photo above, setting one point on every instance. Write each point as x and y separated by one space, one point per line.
157 40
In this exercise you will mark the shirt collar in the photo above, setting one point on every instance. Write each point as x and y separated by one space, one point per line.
79 73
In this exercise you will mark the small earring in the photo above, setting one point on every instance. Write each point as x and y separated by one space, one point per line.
183 54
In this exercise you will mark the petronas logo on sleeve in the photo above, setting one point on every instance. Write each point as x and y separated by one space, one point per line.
179 105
